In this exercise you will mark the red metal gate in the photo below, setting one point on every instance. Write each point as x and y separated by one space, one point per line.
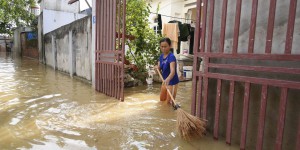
110 44
215 66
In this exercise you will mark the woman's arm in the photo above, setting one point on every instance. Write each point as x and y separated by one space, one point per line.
172 72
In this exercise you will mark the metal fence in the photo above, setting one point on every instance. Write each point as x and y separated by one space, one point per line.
214 67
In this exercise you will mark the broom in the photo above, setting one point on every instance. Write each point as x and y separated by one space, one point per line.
187 125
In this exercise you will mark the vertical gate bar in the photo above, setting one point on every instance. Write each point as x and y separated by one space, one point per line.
236 26
106 26
199 95
106 83
252 26
118 43
270 29
101 19
203 29
211 24
262 116
119 24
281 120
245 116
205 94
298 136
217 110
194 93
110 45
114 46
123 48
96 48
230 113
107 45
104 78
205 97
290 27
97 39
223 25
195 59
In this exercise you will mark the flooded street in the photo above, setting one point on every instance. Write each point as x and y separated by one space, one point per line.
44 109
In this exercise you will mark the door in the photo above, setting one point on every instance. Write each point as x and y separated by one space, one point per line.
110 44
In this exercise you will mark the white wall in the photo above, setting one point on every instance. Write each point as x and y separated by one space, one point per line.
55 19
59 5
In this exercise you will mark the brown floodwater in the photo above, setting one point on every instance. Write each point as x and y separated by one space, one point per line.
44 109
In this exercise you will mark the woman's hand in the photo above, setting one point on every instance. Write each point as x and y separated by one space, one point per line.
167 81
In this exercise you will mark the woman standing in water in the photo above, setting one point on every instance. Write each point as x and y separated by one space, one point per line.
167 65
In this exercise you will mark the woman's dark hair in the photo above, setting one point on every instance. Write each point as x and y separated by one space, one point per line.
165 40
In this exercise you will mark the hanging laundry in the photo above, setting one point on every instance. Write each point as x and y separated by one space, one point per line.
171 31
159 21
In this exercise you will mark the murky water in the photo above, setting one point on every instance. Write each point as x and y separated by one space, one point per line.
44 109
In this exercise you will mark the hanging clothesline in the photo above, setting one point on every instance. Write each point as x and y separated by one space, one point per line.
171 16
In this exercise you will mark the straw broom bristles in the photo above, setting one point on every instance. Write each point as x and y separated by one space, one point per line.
189 126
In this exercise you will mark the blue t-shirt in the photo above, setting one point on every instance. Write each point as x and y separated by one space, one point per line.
165 67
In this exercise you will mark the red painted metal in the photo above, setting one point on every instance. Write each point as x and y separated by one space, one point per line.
290 27
199 97
205 87
109 53
252 26
236 26
279 57
223 25
218 65
217 110
270 29
195 59
245 116
262 116
202 44
211 22
273 82
281 120
256 68
230 113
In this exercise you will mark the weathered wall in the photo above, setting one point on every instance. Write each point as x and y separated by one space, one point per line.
54 19
68 48
278 46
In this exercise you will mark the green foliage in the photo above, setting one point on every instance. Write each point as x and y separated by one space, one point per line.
15 13
144 49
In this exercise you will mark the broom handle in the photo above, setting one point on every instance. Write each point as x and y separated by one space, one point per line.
170 94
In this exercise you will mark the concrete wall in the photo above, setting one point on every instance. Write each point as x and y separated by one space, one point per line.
17 39
278 46
59 5
68 48
55 19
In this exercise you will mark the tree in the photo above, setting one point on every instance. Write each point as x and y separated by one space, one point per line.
144 49
15 13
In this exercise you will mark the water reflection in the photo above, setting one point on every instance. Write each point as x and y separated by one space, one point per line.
43 109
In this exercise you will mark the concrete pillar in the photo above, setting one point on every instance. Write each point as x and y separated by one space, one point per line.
54 65
72 54
93 41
